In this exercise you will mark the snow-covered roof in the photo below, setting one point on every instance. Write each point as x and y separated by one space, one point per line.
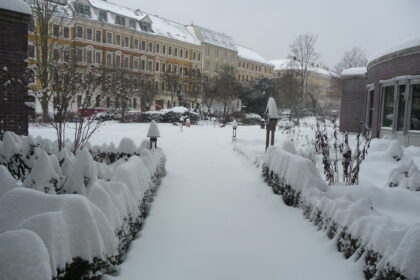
18 6
407 44
250 54
160 26
217 38
286 63
356 71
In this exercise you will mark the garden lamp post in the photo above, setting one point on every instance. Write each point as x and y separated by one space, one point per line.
272 116
153 134
234 126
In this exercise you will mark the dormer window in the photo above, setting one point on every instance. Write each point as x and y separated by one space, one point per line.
145 26
132 24
120 20
82 9
103 16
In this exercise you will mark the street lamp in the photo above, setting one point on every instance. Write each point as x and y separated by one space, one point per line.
272 116
153 134
234 126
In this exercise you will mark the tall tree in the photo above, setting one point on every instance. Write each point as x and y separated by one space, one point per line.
172 80
47 48
209 91
255 96
227 88
355 57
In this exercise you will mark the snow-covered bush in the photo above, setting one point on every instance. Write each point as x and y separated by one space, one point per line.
80 212
164 115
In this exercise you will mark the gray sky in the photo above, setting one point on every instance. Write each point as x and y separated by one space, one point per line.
269 26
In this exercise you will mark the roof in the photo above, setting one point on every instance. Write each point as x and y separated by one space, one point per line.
286 63
407 44
216 38
18 6
251 54
356 71
160 26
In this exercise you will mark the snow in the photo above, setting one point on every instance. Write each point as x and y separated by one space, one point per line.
18 6
285 64
23 256
404 45
356 71
216 38
127 146
7 181
250 54
272 110
154 130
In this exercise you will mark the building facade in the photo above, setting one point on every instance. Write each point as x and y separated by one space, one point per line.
252 65
14 101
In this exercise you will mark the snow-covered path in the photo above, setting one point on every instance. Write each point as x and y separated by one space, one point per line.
214 218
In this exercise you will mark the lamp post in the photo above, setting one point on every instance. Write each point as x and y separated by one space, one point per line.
234 126
272 116
153 134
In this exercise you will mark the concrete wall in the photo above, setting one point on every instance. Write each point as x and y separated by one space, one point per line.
13 55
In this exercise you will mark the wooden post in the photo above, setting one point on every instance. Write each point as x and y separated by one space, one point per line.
267 138
273 131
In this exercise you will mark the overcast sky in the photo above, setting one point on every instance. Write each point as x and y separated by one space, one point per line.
269 26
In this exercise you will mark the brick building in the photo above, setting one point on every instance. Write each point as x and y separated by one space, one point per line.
14 18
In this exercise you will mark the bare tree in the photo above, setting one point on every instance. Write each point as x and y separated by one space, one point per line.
227 88
209 92
194 82
355 57
172 80
303 55
47 49
123 85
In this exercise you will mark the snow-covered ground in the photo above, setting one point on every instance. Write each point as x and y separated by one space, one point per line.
215 218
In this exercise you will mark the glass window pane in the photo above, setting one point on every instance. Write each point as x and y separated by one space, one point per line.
388 109
415 108
402 100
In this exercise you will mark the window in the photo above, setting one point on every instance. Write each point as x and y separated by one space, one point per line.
176 52
143 65
199 56
162 87
118 39
217 53
157 67
66 55
136 44
89 56
169 68
120 20
134 103
79 32
150 47
89 34
108 59
207 66
175 68
143 45
156 85
402 101
98 36
149 66
103 16
109 38
66 32
132 24
186 54
194 55
157 47
98 57
388 106
82 10
145 26
126 61
169 50
415 108
79 55
31 26
163 49
117 60
216 67
163 67
208 51
181 53
136 63
56 30
31 50
369 113
126 42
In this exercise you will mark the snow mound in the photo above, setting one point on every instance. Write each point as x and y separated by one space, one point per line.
7 182
23 256
153 130
296 171
127 146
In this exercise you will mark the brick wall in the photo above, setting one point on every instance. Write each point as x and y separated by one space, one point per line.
352 103
13 53
398 65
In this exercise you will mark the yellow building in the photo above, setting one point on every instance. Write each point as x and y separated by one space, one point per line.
252 65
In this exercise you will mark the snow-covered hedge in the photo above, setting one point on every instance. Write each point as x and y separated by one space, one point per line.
365 221
164 115
76 216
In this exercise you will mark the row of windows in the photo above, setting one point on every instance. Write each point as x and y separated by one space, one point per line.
216 53
254 67
128 42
